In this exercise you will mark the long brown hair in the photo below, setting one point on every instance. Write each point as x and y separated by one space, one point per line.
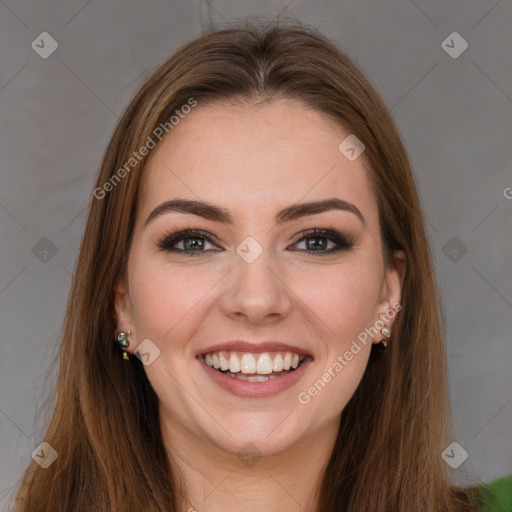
105 427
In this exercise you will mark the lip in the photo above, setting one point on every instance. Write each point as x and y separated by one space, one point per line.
244 389
256 348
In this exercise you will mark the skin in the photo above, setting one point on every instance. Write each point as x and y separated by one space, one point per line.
254 159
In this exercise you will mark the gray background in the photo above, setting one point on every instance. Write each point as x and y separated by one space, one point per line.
454 114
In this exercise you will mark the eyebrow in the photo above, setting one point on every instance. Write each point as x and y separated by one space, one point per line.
219 214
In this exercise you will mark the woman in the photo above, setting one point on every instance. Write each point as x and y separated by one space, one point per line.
253 319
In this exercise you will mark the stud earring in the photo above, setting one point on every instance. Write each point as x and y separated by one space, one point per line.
387 333
122 341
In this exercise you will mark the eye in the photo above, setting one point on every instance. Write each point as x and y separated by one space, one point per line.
194 242
191 242
317 241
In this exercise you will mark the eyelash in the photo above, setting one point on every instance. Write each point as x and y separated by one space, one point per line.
344 242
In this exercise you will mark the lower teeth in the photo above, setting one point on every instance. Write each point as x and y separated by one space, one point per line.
256 378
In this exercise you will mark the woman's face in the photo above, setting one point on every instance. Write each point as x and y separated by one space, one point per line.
255 289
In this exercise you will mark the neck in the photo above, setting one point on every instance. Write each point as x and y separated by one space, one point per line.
216 480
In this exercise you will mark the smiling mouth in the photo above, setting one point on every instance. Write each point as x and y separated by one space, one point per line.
254 367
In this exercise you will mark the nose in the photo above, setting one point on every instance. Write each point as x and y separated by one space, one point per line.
256 292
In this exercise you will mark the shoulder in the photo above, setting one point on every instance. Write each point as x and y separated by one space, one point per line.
495 496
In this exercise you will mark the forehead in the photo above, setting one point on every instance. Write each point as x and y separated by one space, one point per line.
267 153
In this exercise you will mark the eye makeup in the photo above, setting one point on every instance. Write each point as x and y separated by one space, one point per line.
194 241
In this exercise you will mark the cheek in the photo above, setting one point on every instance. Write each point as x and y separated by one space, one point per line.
166 301
344 304
343 299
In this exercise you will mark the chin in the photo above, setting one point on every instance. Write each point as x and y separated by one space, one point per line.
260 434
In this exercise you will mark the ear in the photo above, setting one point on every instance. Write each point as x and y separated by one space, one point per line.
122 308
391 292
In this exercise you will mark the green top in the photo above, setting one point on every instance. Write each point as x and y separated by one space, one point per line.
496 496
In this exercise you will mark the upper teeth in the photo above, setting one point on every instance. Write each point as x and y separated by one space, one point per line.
247 362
